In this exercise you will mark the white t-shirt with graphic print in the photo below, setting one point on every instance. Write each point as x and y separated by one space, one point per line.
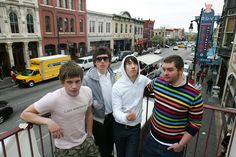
69 113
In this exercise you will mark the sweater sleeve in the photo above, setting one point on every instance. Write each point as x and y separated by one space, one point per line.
118 114
195 116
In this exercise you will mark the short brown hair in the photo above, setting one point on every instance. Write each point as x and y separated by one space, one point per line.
178 61
70 70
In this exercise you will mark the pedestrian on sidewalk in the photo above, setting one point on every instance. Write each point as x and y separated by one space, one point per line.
71 120
209 86
202 77
191 80
177 113
13 74
198 76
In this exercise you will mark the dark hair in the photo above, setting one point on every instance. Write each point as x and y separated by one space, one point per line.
70 70
101 50
130 59
178 61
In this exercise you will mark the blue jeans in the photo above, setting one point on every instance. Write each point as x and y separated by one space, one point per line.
126 140
153 148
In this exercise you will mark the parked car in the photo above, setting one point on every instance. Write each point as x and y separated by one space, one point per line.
175 48
135 54
122 54
182 46
5 111
157 51
166 46
85 62
114 59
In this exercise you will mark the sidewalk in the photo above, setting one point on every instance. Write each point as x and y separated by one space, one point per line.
208 98
6 82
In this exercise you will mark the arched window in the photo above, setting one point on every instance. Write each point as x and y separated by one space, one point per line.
81 25
60 24
14 23
48 23
72 27
66 25
66 3
30 23
81 5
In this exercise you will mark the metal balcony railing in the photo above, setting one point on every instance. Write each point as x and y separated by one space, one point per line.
207 143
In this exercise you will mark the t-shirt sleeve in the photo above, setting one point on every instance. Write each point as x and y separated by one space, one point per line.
45 104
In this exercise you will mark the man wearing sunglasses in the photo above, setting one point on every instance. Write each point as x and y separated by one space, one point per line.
100 79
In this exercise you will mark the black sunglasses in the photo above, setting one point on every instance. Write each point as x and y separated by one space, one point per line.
105 59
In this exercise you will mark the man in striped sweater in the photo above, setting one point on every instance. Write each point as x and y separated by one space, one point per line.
177 112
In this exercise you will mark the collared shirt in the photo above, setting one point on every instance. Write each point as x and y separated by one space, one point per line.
106 86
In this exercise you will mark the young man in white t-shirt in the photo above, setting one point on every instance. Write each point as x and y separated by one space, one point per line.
71 119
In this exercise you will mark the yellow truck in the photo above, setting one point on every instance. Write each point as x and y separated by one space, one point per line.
42 68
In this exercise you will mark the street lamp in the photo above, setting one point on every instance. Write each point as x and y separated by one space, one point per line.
198 21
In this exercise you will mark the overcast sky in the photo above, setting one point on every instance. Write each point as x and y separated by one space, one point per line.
167 13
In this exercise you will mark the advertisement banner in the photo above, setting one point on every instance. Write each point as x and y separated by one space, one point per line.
205 33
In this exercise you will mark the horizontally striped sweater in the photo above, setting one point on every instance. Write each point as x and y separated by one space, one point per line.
176 110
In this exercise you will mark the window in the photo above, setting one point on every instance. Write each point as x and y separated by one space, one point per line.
30 23
121 28
81 27
100 27
46 2
229 31
71 4
108 27
60 24
126 28
80 5
47 24
66 25
116 28
59 4
91 26
66 3
14 23
72 25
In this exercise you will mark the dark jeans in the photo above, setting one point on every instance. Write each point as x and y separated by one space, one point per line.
103 135
153 148
126 140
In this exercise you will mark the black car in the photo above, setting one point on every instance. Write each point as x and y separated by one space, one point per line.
5 111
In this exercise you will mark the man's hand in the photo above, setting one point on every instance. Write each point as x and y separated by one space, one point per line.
176 147
55 129
131 116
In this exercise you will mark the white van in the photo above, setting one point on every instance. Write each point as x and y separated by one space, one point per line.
186 70
150 65
85 62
